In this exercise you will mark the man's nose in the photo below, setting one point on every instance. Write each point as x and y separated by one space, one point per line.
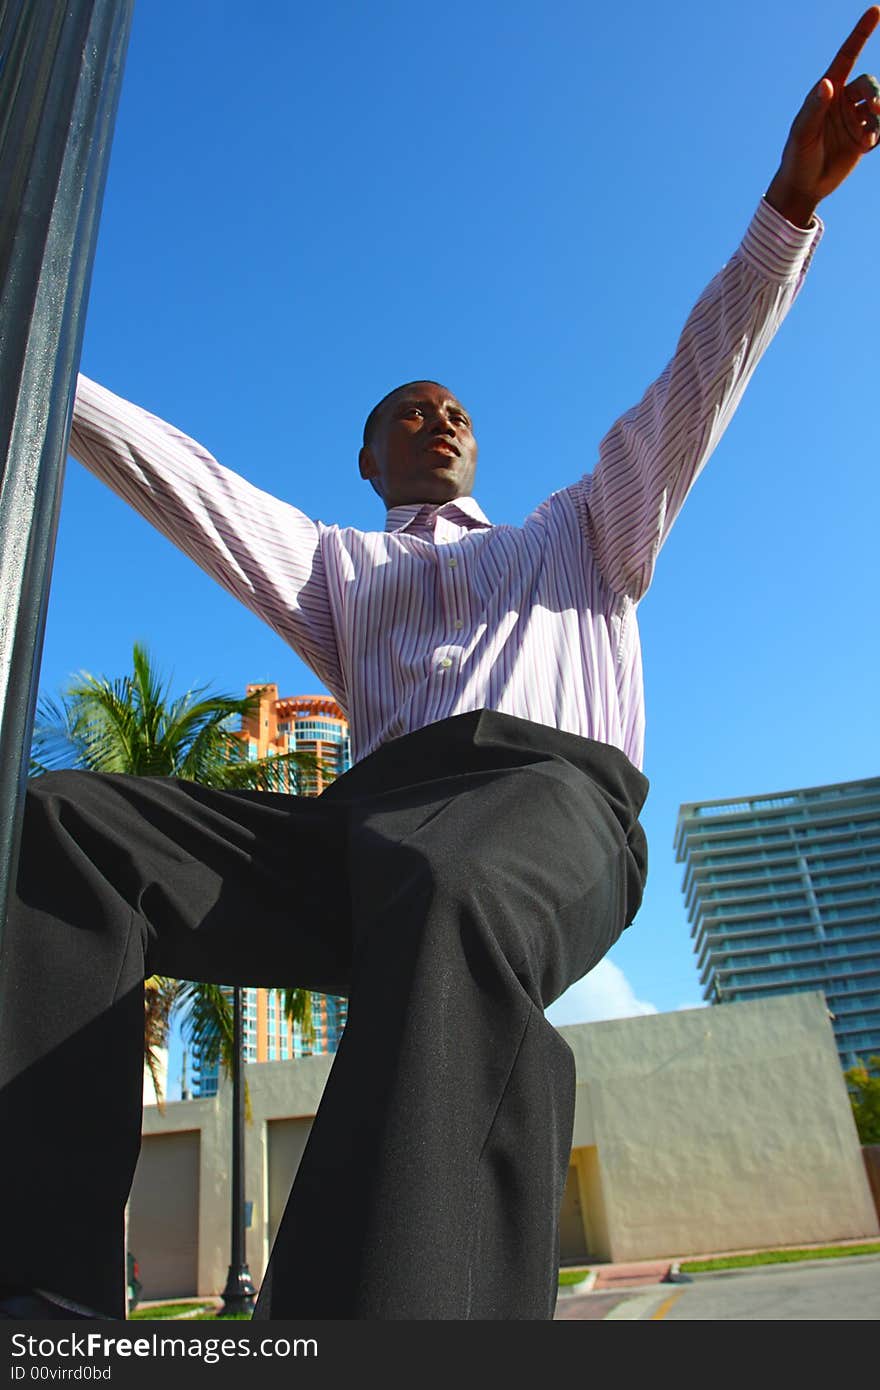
440 423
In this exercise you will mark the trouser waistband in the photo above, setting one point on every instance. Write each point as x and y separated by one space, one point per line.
486 740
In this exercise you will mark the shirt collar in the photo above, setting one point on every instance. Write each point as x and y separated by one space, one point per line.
464 510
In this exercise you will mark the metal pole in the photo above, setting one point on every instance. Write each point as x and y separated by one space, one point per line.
239 1294
60 74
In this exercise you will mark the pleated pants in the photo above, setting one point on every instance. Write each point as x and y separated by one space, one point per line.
450 886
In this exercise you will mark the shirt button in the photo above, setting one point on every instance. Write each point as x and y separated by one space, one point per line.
452 564
459 623
445 662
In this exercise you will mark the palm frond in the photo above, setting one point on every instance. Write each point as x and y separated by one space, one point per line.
199 730
207 1022
209 1025
265 774
149 701
54 744
103 724
298 1010
160 996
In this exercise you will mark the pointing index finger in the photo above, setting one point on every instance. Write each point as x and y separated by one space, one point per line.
842 64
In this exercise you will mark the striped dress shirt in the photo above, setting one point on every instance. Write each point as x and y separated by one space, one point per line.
443 612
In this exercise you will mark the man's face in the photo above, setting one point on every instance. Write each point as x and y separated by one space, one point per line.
422 448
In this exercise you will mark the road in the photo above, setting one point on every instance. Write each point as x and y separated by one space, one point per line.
812 1291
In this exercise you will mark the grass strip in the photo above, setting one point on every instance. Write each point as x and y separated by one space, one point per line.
773 1257
572 1276
228 1317
197 1312
170 1310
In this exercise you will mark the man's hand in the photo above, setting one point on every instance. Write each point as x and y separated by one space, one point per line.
837 124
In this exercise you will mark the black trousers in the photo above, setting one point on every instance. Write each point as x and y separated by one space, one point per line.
451 886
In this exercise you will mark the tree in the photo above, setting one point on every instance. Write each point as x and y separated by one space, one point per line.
134 726
864 1094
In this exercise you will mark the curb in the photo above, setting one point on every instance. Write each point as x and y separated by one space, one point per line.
585 1285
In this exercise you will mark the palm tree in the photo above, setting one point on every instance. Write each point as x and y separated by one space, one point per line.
134 726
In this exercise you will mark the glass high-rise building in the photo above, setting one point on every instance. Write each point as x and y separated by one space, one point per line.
315 724
270 1037
783 893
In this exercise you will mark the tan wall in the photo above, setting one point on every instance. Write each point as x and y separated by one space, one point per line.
709 1129
163 1221
721 1129
286 1142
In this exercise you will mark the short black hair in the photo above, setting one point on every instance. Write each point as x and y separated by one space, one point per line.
373 418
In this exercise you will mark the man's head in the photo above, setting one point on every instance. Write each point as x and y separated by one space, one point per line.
419 446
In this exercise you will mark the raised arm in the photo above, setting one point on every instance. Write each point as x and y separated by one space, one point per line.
652 456
265 552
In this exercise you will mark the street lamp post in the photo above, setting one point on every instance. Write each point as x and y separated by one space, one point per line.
60 76
239 1294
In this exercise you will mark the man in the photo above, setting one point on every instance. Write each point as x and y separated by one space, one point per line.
489 828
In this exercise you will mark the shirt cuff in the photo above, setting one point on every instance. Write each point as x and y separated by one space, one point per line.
776 248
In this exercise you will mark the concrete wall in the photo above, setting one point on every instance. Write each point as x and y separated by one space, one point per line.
710 1129
284 1097
720 1129
165 1217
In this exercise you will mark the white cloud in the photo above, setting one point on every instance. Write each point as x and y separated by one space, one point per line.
604 993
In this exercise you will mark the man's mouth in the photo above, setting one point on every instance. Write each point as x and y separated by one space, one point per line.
442 446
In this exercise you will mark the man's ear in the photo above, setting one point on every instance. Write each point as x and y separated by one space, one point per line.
367 463
369 471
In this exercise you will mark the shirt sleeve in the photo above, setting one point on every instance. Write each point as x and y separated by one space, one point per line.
264 552
651 457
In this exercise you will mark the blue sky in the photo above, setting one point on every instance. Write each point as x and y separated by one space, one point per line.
307 205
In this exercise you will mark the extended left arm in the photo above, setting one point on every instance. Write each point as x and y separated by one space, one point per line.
652 456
